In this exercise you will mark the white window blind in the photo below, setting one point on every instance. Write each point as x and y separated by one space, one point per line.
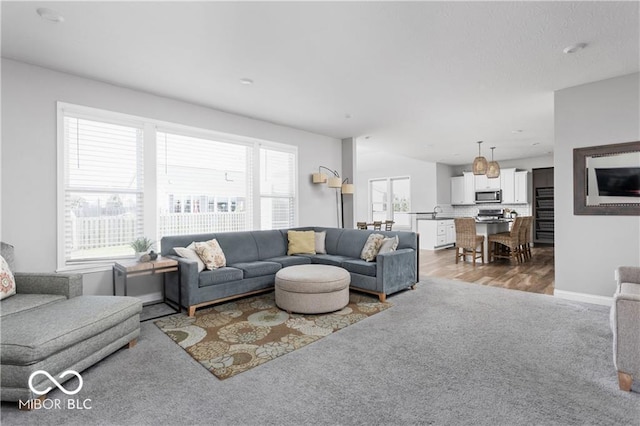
277 188
204 185
103 188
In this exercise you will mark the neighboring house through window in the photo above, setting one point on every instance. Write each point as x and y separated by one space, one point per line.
121 177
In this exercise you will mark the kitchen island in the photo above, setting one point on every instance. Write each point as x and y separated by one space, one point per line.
488 227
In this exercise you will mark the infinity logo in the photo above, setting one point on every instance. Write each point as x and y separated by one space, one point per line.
62 375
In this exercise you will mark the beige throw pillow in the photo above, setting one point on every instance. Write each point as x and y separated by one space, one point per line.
389 244
7 281
320 245
189 252
371 247
211 254
301 242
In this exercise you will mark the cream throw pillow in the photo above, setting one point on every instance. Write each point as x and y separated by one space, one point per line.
301 242
389 244
320 239
211 254
7 281
189 252
371 247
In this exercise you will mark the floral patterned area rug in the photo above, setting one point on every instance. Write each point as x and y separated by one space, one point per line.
234 337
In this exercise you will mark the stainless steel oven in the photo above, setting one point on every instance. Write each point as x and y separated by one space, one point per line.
493 196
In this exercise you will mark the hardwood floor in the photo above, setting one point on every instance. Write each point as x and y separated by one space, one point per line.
535 275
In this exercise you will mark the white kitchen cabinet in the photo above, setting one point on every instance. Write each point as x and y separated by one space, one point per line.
436 234
507 185
482 182
463 189
521 188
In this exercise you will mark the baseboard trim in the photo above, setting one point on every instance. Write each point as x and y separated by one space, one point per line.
150 298
584 297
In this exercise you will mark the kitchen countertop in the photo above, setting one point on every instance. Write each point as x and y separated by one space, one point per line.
437 218
495 221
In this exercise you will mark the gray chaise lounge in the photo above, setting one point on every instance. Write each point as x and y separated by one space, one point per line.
48 325
254 257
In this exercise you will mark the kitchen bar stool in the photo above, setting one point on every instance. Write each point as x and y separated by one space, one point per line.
467 241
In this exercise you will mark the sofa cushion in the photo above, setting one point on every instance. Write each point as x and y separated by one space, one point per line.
371 247
388 245
24 302
351 242
290 260
238 246
625 288
219 276
328 259
31 336
270 244
301 242
7 281
320 242
211 254
359 266
258 268
189 252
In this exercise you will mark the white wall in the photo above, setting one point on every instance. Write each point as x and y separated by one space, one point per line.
589 248
372 164
29 96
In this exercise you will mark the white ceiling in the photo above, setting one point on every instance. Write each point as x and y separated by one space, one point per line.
422 79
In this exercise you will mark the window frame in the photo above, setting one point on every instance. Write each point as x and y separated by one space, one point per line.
389 185
150 165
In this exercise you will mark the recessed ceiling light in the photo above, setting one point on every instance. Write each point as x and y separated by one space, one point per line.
246 81
347 116
50 14
574 48
517 131
535 143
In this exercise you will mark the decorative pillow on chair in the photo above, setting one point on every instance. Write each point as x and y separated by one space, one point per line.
211 254
301 242
320 239
7 282
389 244
189 252
371 247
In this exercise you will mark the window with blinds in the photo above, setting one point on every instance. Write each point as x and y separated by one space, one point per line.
103 188
204 185
277 188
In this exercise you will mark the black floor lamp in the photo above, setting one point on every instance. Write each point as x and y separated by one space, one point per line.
335 182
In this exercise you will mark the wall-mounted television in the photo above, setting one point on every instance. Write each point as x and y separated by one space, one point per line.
618 181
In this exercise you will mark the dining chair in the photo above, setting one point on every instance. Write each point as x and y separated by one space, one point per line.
377 225
467 241
388 224
361 225
506 245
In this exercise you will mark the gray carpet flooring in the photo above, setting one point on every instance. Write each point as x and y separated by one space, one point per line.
448 353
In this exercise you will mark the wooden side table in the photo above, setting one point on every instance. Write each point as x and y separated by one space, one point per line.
162 265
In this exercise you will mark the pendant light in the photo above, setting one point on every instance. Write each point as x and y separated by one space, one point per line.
480 163
493 169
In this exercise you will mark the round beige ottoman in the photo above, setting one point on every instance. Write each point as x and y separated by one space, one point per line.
312 289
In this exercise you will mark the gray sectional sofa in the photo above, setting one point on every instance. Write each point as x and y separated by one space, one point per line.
49 325
254 257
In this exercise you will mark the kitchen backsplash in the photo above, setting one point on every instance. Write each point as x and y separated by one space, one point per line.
472 211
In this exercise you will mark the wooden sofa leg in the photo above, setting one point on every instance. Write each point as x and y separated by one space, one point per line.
133 343
31 404
192 311
413 287
624 381
382 297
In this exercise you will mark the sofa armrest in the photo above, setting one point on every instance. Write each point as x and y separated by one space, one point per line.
625 317
396 270
628 274
189 278
68 285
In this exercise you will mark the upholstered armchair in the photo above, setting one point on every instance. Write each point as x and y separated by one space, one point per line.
625 325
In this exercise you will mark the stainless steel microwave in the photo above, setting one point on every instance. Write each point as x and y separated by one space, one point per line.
494 196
